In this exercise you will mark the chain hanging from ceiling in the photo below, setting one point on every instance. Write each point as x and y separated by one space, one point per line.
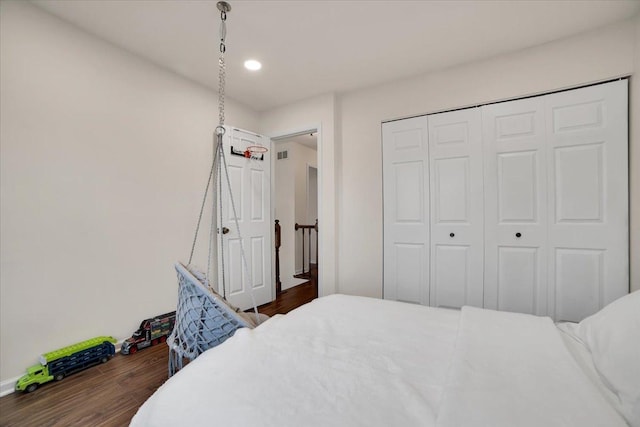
224 7
202 320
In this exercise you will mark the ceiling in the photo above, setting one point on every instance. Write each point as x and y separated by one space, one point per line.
313 47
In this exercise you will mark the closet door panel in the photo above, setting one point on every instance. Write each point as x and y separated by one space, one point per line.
406 210
515 206
410 269
456 189
579 183
518 281
588 199
452 275
451 190
517 187
579 283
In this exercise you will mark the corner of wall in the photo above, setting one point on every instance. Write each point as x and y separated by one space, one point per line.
337 156
634 163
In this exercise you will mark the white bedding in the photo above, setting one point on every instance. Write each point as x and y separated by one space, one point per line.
514 369
584 360
352 361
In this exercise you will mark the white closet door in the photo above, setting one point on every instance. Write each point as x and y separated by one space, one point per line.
406 210
515 206
456 187
588 199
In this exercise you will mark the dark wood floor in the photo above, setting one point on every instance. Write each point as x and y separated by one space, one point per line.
105 395
111 393
291 299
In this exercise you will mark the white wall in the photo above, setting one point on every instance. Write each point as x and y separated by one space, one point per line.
598 55
312 207
285 194
319 112
103 160
634 162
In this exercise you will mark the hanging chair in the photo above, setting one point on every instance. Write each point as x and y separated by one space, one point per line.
204 319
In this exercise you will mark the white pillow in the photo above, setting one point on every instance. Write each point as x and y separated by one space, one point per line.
613 337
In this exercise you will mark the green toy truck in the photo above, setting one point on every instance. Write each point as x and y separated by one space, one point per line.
57 364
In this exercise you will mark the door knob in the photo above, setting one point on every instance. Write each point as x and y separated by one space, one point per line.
452 234
518 235
225 230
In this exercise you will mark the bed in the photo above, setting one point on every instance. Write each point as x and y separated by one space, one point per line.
354 361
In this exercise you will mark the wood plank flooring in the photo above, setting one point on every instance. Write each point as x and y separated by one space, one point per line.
111 393
291 299
105 395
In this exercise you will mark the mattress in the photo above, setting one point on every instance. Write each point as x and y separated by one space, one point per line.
354 361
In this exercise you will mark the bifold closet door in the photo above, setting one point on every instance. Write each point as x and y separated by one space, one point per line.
518 206
456 190
556 202
588 199
406 210
515 271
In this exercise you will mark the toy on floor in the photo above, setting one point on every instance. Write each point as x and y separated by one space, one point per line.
57 364
151 332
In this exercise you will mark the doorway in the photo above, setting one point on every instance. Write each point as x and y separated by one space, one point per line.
295 190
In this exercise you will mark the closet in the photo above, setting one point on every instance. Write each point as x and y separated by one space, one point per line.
519 206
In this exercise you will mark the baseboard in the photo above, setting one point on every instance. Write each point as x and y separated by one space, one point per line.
8 386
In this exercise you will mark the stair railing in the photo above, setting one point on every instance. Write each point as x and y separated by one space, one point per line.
308 229
278 240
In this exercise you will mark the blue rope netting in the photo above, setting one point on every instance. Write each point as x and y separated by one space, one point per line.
203 320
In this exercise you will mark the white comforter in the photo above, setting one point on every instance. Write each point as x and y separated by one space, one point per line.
352 361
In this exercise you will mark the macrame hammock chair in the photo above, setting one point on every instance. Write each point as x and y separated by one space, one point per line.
205 319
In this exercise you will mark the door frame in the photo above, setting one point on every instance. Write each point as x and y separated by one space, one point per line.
302 130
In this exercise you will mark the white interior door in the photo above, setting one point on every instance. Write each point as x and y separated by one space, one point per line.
251 186
457 227
588 199
515 206
406 209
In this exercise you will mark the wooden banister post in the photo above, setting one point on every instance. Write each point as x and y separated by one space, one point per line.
277 239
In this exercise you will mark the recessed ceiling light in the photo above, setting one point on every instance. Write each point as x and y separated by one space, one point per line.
252 64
